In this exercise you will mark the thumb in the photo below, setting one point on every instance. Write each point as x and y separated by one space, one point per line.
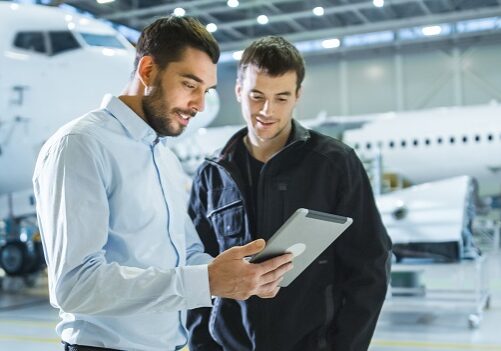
249 249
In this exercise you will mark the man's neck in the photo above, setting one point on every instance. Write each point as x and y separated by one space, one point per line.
132 97
263 150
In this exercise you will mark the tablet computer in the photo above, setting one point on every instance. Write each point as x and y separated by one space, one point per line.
306 234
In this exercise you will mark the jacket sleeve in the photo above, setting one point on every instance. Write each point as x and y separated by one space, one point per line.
363 256
198 319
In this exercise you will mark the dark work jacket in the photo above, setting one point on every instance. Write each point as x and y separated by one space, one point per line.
335 303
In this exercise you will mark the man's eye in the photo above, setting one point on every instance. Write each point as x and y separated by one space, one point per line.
189 85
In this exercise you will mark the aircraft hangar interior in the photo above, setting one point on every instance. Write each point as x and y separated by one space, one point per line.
410 88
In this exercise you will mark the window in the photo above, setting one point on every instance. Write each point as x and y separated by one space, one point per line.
427 141
368 146
415 142
477 138
465 139
439 140
452 140
31 41
490 137
62 41
391 144
403 143
109 41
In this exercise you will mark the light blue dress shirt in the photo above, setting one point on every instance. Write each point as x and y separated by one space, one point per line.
124 260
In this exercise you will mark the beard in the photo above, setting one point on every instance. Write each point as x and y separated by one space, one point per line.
159 115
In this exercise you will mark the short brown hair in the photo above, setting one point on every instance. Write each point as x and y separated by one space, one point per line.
167 38
275 55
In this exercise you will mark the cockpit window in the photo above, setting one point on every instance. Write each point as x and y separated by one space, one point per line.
31 41
109 41
62 41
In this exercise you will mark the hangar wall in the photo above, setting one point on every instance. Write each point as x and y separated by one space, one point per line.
387 80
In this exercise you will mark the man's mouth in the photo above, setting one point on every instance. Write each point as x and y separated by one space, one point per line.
184 118
264 123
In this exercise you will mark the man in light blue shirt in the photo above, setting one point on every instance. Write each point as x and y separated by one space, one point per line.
124 260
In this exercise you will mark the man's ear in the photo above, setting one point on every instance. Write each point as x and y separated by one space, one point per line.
238 91
146 70
299 92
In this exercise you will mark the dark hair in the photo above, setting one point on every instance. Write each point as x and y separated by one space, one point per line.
275 55
167 38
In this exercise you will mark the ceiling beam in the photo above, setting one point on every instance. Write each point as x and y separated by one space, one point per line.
167 8
379 26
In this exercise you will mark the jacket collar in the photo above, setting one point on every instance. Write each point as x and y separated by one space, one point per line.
299 134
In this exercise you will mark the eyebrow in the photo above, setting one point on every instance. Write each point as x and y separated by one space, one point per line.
196 79
286 93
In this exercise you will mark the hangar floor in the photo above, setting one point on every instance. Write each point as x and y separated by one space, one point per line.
27 321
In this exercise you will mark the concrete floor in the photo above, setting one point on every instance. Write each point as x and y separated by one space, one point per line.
409 324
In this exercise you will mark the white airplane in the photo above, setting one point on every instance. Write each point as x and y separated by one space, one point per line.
54 67
436 144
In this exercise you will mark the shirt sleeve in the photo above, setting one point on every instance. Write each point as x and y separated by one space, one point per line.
71 185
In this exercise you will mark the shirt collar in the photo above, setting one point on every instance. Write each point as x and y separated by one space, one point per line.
137 128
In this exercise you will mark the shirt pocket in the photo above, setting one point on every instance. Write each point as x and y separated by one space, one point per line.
228 224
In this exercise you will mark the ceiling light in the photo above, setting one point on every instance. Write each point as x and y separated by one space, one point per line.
237 55
179 12
104 1
262 19
431 30
318 11
331 43
233 3
378 3
211 27
71 26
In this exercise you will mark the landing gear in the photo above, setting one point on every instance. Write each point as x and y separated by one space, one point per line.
21 252
20 258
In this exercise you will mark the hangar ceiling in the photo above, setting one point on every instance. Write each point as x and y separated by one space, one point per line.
393 23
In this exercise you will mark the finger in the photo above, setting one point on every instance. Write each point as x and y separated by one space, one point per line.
276 274
274 263
249 249
270 290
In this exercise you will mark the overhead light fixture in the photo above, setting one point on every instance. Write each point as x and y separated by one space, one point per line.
331 43
179 12
262 19
237 55
232 3
318 11
378 3
211 27
71 26
431 30
104 1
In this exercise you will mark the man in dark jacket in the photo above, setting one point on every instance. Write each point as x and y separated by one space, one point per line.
263 174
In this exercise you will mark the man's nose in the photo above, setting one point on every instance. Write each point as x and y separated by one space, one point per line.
198 103
267 108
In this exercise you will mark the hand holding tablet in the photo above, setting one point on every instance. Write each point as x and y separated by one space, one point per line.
306 234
